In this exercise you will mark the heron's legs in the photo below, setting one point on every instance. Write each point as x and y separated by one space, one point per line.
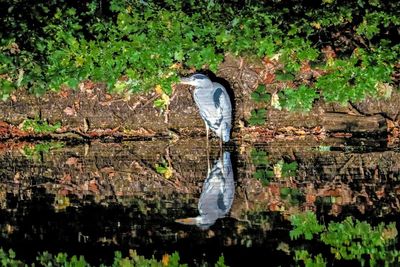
208 150
221 153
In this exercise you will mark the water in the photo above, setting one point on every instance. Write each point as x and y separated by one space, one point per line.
93 199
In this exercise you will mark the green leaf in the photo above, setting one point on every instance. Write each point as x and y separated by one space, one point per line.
260 94
257 117
301 99
284 76
259 157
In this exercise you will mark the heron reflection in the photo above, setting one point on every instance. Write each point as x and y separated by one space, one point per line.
217 195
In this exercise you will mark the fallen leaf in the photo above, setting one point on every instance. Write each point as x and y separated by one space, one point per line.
71 161
165 260
70 111
158 89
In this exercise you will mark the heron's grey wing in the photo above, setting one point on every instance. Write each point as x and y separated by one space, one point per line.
221 97
229 185
222 104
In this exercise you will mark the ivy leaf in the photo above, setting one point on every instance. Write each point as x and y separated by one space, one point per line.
260 94
259 157
301 99
258 117
284 76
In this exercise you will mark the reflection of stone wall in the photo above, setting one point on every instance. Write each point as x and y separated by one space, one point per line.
108 172
368 183
105 170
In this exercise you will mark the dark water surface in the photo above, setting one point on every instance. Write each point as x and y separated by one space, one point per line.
93 199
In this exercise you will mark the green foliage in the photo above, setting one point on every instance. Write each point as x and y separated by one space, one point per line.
260 160
309 260
348 240
260 95
258 116
300 99
305 224
354 240
259 157
292 195
38 149
7 258
347 80
39 126
296 51
289 169
265 170
220 262
62 259
284 76
135 46
164 169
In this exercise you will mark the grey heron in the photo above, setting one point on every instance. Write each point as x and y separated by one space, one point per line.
217 195
214 105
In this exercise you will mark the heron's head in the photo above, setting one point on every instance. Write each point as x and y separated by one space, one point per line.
200 221
197 80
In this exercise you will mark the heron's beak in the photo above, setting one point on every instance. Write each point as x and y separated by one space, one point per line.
187 221
185 80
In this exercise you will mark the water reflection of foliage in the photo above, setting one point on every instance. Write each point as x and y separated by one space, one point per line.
357 181
35 151
348 240
265 170
277 178
9 258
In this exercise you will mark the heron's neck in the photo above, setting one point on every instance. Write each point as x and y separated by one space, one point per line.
203 90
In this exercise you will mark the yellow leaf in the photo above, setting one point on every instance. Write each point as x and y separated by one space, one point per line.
159 89
165 260
316 25
175 66
275 101
168 173
165 97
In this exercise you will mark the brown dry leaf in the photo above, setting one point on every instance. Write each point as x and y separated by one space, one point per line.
176 66
65 93
380 193
77 105
301 132
71 161
4 124
70 111
269 78
66 178
14 48
384 89
107 170
389 233
328 52
93 186
390 124
17 176
305 67
310 198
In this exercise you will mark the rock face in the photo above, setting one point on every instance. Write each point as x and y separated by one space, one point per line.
91 112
